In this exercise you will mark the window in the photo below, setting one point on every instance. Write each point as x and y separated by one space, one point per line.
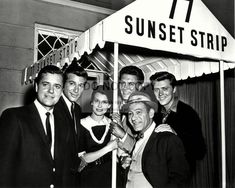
48 39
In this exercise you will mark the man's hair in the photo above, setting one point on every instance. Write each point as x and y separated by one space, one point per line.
76 69
133 70
52 69
105 90
159 76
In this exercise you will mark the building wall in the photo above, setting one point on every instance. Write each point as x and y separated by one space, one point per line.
17 19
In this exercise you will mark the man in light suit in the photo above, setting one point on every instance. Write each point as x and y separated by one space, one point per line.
35 145
158 158
75 78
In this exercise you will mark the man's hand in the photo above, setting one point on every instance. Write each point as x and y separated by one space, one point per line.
117 130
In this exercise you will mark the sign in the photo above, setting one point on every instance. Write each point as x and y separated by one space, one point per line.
180 26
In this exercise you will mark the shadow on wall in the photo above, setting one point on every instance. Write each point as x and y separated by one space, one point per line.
29 96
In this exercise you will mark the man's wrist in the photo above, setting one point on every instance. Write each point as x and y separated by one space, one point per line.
123 138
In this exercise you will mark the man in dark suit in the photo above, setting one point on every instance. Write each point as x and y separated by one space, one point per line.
158 158
35 145
75 78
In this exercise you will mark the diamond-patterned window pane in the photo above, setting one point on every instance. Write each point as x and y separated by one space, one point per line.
50 38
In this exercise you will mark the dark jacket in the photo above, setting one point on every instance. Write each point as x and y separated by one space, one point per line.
25 157
187 124
163 161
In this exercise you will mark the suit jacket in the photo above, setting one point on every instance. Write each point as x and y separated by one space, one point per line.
163 161
61 107
25 157
187 124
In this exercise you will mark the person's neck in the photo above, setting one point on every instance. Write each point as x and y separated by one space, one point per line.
97 118
146 128
168 106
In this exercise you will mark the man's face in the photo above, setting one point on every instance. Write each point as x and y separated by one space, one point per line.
100 104
164 92
139 116
74 87
49 89
128 84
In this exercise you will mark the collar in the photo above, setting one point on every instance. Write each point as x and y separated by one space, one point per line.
41 109
173 106
148 132
67 101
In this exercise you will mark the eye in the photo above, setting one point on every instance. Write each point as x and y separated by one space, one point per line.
138 112
81 85
71 83
129 113
105 102
58 86
44 84
132 84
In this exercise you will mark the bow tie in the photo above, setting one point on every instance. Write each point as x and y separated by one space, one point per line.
139 136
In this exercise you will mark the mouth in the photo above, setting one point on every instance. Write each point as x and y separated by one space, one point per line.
99 110
73 95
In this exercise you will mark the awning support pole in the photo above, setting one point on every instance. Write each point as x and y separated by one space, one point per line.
223 146
115 110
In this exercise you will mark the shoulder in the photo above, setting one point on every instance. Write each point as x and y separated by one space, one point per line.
86 122
17 110
165 138
183 105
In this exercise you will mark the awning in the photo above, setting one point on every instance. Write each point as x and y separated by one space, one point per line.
181 27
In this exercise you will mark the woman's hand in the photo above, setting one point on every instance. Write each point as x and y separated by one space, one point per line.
112 144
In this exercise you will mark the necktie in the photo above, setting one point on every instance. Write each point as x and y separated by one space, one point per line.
48 128
73 116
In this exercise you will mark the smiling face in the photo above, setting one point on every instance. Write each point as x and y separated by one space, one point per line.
100 104
128 84
74 87
164 93
139 116
49 89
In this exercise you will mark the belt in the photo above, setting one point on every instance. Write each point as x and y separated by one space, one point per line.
100 161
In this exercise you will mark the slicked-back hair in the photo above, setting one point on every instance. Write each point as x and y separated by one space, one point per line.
76 69
133 70
52 69
159 76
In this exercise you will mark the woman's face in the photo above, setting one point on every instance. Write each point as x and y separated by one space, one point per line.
100 104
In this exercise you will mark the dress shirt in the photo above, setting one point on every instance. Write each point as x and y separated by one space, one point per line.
42 112
136 178
68 103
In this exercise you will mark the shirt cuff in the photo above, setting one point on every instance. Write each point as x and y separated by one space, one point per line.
123 139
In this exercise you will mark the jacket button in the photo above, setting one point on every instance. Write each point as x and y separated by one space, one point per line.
53 169
51 186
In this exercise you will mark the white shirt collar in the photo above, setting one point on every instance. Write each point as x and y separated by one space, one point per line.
68 102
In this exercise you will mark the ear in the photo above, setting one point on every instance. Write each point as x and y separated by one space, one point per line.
140 86
109 105
151 113
36 87
174 89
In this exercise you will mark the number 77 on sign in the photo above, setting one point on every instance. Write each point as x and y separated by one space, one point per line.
173 7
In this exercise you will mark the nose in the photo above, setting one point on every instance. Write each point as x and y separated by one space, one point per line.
99 104
133 117
76 88
161 92
51 89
